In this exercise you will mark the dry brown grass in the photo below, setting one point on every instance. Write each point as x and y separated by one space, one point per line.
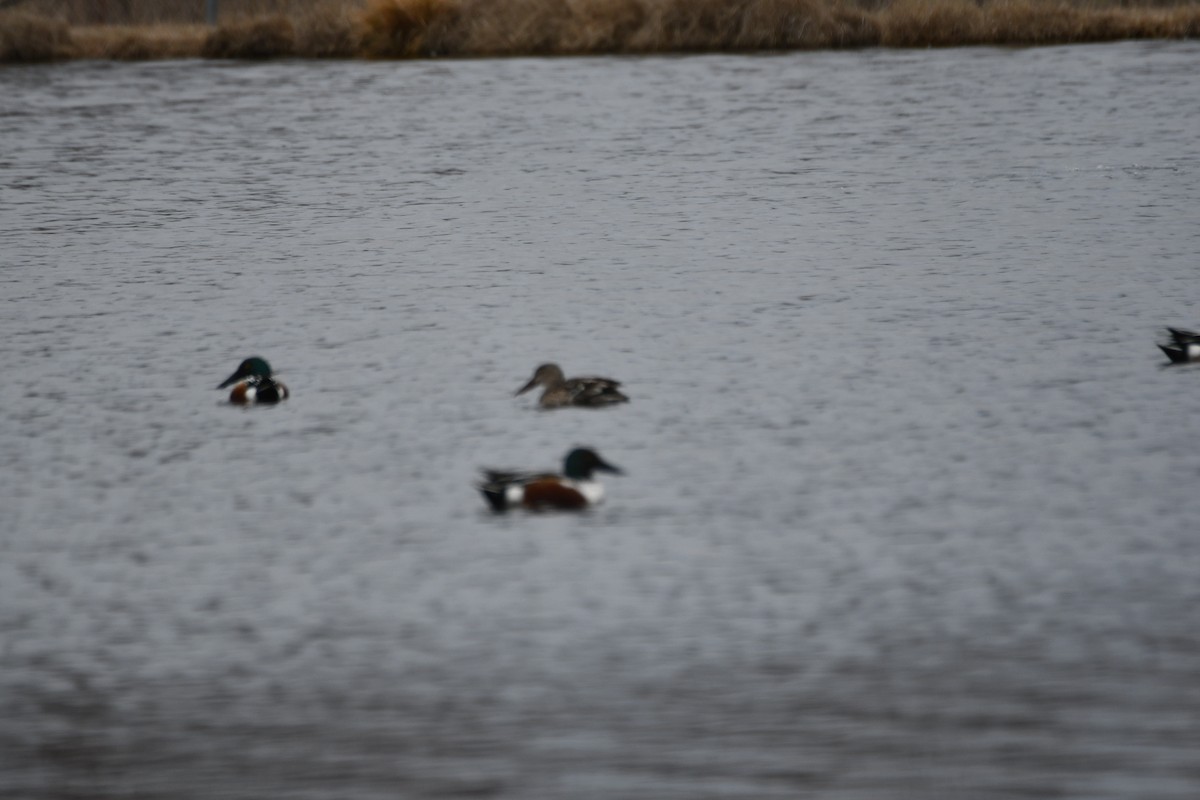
141 29
138 43
534 27
1027 22
603 26
410 28
160 12
931 23
684 25
255 37
28 37
329 29
854 27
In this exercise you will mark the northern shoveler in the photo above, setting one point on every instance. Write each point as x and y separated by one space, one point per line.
252 383
1184 347
559 391
573 490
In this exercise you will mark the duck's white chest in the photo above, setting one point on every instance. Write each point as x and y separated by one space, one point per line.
592 491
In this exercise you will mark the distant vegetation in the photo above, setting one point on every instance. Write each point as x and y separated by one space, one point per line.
35 30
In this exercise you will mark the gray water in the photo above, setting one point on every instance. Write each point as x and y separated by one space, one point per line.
910 507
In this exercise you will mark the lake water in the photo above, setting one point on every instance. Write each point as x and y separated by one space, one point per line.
910 507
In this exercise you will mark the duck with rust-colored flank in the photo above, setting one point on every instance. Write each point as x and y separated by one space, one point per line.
574 490
558 391
253 384
1184 347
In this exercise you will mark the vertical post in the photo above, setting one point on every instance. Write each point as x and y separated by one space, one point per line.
211 7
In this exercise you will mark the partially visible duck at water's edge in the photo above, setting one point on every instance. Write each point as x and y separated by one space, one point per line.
1184 347
253 385
574 490
558 391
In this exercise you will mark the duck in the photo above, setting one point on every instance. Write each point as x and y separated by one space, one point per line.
1184 347
574 490
589 392
253 384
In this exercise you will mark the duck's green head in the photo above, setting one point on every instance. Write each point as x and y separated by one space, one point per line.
582 462
253 367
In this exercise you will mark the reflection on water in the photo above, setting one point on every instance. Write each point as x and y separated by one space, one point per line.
910 508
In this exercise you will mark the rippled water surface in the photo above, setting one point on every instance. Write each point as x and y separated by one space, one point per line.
910 506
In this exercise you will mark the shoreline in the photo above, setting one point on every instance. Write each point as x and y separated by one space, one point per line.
407 29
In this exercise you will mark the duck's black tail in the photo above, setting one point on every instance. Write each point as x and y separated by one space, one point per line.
1178 355
494 494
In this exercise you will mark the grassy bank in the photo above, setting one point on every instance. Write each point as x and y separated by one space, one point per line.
33 30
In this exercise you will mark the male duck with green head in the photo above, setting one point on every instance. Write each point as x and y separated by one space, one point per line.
574 490
253 384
